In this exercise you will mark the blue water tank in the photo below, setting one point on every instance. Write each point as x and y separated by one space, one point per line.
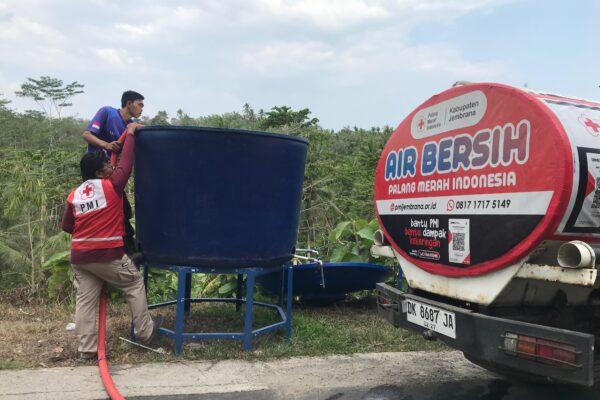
213 197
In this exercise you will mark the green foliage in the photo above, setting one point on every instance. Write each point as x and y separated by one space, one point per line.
338 182
232 120
13 260
161 118
163 285
61 276
284 116
352 241
216 285
182 119
4 103
33 188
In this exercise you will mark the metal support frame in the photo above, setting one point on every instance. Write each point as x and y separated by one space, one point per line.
184 300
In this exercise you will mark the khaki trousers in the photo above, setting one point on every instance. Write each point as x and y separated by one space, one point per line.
89 279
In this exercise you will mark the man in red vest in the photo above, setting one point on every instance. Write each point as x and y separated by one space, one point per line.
94 217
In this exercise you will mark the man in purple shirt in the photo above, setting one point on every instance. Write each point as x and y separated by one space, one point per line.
107 125
102 134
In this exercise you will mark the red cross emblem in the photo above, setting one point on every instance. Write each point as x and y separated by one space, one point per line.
591 125
421 124
87 192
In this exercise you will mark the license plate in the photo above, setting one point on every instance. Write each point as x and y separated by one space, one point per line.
430 317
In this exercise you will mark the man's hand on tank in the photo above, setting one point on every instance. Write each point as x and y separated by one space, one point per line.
131 127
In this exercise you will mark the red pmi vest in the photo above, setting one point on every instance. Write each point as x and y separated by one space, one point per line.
98 214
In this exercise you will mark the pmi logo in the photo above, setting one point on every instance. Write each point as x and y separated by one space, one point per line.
592 126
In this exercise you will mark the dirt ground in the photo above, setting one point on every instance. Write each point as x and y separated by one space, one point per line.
36 336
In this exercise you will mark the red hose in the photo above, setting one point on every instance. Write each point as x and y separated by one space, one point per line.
109 385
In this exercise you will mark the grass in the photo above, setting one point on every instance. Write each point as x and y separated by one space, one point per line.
35 336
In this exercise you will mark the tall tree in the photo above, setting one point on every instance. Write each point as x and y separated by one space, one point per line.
182 118
50 94
285 116
3 103
161 118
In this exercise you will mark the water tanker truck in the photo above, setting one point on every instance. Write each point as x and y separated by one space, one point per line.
488 196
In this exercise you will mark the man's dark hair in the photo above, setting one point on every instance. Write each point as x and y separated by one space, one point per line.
130 95
91 163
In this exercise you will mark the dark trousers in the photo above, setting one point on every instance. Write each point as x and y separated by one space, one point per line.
128 240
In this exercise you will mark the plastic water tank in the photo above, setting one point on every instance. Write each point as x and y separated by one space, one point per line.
217 197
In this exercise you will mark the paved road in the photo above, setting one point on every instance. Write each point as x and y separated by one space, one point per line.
379 376
464 389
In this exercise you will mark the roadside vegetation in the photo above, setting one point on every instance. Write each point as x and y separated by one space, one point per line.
35 336
39 155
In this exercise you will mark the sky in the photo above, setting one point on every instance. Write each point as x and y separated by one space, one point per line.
353 63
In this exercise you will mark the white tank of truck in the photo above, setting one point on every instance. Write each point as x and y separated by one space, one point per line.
480 176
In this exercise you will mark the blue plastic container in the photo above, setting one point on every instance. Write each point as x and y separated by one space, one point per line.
340 278
214 197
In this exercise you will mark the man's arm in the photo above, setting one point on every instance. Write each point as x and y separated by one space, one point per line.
121 174
92 132
97 142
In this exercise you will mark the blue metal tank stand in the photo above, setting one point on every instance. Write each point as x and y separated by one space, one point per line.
184 300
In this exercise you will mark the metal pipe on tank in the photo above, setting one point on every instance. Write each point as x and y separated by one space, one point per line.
578 254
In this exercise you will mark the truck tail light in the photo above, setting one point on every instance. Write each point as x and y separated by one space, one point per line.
383 299
541 350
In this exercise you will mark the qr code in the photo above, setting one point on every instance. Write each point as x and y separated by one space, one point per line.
596 201
458 242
